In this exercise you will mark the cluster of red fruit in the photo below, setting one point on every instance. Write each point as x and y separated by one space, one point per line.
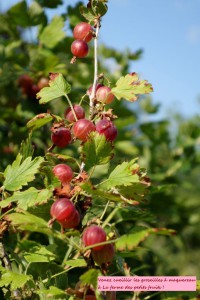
83 33
64 212
62 136
29 87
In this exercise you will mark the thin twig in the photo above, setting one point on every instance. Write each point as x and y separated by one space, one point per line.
92 96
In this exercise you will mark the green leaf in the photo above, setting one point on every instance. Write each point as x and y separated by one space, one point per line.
96 151
99 8
15 280
53 33
36 14
122 175
57 88
129 87
28 198
29 222
76 263
39 254
90 277
87 13
104 195
131 240
41 120
19 174
51 293
26 148
19 14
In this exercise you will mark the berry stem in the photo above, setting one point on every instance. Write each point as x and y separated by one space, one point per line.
92 96
71 106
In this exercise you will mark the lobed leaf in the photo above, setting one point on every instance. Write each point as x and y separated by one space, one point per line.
90 277
129 87
29 222
122 175
41 120
26 148
96 151
28 198
57 88
53 33
132 240
39 254
21 173
15 280
104 195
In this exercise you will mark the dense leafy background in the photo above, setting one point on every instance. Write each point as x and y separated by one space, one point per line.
169 151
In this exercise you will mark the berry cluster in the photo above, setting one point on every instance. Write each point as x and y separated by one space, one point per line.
80 127
29 87
83 33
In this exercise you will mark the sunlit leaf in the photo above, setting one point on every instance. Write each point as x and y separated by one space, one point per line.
130 87
53 33
57 88
96 151
19 174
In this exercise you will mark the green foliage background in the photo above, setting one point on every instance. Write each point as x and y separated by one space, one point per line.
169 152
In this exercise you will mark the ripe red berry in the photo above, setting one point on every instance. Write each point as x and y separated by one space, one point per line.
105 255
107 128
64 173
61 136
62 209
25 82
79 48
93 235
79 112
89 91
71 222
82 128
83 31
104 95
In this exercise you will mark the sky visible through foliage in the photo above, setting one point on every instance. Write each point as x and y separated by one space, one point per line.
169 34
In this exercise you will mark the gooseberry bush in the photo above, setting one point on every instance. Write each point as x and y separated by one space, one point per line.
60 197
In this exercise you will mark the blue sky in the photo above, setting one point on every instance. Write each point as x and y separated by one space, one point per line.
169 33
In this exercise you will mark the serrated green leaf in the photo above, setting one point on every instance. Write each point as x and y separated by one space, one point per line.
87 13
99 8
29 222
39 254
96 151
13 279
129 87
76 263
131 240
122 175
53 33
41 120
90 277
57 88
26 148
104 195
19 174
28 198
